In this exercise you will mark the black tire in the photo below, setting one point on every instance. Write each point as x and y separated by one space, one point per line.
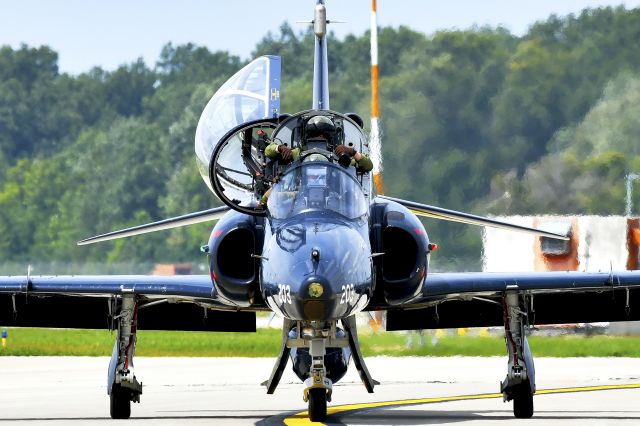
120 402
523 402
317 405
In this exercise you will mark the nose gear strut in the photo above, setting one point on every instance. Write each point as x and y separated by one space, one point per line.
318 387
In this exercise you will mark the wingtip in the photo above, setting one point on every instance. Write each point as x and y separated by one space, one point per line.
86 241
97 239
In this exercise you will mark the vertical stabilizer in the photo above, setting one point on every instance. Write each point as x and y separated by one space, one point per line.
320 63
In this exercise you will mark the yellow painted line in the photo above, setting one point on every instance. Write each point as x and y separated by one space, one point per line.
302 418
588 389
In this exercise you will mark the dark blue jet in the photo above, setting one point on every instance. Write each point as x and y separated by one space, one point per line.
303 234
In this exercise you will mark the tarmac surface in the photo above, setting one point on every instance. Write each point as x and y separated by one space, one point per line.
72 390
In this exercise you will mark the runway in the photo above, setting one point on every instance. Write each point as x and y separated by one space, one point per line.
413 391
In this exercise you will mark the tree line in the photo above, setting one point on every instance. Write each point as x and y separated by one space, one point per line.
476 120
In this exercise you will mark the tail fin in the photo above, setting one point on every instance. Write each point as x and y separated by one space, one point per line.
320 62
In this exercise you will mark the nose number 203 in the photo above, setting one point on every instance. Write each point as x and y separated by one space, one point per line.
348 294
284 293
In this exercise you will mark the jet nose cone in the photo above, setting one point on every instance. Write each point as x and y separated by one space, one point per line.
317 299
327 275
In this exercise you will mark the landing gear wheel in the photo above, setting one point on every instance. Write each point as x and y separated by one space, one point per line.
523 402
317 404
120 402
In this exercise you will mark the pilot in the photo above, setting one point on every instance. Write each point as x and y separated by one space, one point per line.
320 129
293 193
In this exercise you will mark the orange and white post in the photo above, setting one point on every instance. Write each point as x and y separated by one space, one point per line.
375 147
375 143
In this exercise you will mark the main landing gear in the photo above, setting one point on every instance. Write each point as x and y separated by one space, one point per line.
520 384
317 337
122 385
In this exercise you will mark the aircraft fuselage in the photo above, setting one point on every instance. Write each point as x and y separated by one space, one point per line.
317 266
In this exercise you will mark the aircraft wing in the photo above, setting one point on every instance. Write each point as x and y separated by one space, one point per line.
176 302
475 299
148 286
468 218
444 284
174 222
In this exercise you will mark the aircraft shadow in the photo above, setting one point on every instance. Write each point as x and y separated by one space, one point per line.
221 418
374 416
422 417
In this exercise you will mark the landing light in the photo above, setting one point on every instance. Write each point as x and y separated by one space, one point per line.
316 290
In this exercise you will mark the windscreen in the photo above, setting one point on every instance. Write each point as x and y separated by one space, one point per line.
317 186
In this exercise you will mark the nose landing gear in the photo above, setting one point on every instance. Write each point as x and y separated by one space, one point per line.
317 398
318 387
317 337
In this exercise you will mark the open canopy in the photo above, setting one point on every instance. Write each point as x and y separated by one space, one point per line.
252 94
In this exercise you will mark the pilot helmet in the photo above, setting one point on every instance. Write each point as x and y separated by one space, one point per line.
320 126
315 157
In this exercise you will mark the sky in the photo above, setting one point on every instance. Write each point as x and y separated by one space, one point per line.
88 33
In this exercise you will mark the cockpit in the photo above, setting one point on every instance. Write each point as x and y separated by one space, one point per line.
242 124
317 186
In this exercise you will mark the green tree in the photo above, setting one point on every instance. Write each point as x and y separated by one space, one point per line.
296 51
528 109
128 86
585 172
611 125
180 70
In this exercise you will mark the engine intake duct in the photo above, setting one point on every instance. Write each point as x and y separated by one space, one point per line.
401 254
234 254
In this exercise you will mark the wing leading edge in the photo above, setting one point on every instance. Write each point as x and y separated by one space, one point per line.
445 284
174 222
470 219
151 286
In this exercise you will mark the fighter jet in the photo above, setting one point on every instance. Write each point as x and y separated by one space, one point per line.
304 235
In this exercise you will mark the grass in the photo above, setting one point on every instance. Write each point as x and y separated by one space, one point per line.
545 346
266 342
35 341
